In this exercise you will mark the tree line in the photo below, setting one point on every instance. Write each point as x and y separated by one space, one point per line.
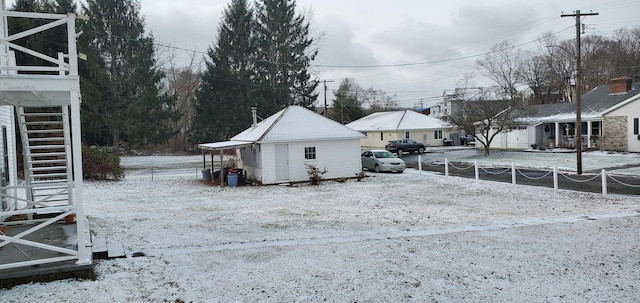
261 58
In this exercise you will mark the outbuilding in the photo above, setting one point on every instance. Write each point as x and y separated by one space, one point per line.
279 148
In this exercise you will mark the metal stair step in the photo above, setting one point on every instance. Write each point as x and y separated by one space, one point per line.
49 175
41 114
45 131
40 139
42 122
47 146
39 182
48 168
46 154
49 161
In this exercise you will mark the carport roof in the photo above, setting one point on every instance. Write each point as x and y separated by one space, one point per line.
224 145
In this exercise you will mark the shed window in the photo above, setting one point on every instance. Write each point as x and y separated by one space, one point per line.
310 153
636 126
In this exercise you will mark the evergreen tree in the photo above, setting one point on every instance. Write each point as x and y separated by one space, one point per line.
225 95
347 104
121 82
283 57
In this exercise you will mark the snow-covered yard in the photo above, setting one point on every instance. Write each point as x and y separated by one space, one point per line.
392 238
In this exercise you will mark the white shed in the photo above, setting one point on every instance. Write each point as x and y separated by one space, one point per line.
277 149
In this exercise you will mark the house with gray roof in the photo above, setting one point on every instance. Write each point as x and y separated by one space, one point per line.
277 149
609 117
382 127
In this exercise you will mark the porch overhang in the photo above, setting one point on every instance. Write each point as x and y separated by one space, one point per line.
216 146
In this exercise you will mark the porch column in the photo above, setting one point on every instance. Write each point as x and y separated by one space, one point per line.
556 129
588 134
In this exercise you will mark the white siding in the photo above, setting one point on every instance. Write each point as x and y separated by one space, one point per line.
632 111
516 139
6 119
341 158
373 138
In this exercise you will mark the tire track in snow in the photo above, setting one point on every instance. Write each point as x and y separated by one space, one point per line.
376 236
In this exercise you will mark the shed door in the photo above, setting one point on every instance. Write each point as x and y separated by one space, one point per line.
282 162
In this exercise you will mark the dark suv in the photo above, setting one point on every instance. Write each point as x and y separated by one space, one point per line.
405 145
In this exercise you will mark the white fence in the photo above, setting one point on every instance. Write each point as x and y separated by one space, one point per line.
604 176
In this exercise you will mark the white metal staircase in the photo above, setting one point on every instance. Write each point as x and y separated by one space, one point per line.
47 155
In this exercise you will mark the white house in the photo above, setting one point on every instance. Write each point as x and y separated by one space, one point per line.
609 121
277 149
382 127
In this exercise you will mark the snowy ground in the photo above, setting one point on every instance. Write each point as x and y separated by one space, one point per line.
392 238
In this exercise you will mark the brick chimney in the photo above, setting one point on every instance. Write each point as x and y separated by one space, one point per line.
620 85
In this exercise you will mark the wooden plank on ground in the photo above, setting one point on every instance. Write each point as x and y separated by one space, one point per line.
115 250
99 248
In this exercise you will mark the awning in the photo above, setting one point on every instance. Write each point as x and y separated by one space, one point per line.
224 145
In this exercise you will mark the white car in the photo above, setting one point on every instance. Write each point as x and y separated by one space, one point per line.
382 160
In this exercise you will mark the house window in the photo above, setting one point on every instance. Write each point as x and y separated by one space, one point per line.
407 135
595 128
381 136
310 153
635 126
437 134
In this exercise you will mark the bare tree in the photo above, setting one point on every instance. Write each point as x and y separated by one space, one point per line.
484 119
182 80
378 100
501 65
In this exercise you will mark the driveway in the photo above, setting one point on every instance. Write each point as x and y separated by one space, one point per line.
532 177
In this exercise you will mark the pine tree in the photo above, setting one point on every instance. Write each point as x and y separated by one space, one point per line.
347 104
121 82
225 95
283 57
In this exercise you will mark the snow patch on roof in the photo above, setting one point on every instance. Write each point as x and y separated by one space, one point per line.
296 123
396 120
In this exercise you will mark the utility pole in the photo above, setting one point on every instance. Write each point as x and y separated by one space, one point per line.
325 97
578 133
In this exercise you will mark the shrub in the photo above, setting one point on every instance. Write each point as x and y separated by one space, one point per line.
315 174
361 175
98 163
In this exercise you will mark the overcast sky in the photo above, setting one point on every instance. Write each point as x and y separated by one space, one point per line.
417 48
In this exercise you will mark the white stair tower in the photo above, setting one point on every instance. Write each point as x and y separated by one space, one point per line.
43 104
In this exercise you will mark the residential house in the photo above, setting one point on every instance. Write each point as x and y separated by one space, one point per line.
609 121
382 127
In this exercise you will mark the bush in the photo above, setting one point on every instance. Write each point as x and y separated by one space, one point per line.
315 174
99 163
361 175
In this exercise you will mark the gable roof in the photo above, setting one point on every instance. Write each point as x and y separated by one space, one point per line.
396 121
296 123
593 104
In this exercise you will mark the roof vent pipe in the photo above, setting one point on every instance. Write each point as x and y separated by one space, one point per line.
254 115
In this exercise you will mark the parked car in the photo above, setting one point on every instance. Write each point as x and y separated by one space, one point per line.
382 160
405 145
470 141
